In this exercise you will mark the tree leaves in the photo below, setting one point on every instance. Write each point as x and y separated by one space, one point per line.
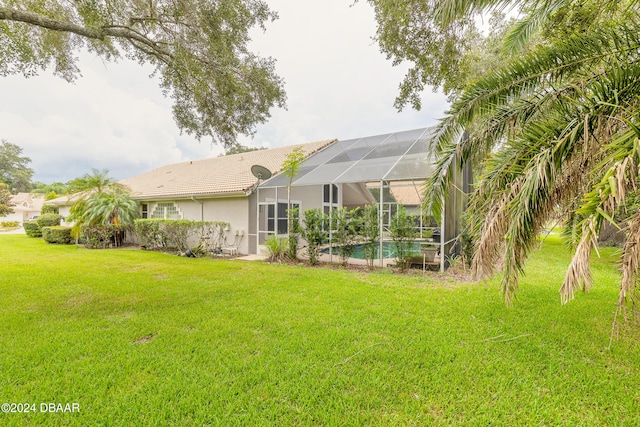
199 50
553 133
14 169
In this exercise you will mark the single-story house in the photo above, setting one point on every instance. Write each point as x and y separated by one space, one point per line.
383 169
25 206
215 189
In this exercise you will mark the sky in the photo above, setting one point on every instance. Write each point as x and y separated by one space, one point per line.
115 117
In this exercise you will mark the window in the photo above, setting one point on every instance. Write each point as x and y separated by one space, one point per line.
166 211
145 211
330 194
330 198
281 219
271 218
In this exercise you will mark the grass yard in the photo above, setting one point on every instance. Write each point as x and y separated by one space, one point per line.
143 338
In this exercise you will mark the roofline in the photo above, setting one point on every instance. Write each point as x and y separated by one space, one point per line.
200 196
55 202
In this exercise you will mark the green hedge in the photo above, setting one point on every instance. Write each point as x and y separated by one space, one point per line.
46 209
175 234
48 220
9 224
148 231
32 229
57 234
102 236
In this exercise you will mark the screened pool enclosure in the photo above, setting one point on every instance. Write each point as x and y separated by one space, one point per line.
387 170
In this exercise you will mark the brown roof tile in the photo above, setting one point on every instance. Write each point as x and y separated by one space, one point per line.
213 176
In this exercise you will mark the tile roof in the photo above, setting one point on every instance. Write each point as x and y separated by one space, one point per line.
213 176
66 200
407 192
27 202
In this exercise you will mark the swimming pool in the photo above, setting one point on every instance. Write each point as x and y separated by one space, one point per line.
388 250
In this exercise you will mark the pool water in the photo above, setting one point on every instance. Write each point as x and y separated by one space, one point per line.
388 250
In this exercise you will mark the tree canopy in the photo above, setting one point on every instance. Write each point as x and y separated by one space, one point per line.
5 200
57 187
444 55
554 130
14 168
198 48
238 148
100 201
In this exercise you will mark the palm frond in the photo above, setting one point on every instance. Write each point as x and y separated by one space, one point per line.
544 68
630 261
578 274
499 105
448 11
522 30
555 130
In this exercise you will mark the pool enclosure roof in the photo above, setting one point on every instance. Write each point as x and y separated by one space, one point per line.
395 156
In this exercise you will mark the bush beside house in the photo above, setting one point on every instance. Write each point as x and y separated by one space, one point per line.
179 234
32 229
48 220
101 236
47 209
57 234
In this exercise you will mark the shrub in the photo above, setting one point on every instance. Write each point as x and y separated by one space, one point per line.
175 234
52 195
346 224
370 233
198 251
148 231
277 248
57 234
99 236
313 232
9 224
294 232
48 220
32 229
403 231
46 209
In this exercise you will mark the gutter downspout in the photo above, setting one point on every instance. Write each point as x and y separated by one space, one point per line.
201 207
258 217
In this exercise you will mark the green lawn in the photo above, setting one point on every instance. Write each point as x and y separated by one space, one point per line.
144 338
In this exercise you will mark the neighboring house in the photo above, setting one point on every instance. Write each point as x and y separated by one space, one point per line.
64 206
25 206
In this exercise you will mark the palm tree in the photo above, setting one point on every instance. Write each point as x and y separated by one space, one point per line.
97 181
554 131
101 202
114 207
290 168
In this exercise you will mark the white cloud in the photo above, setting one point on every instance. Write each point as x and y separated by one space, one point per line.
115 116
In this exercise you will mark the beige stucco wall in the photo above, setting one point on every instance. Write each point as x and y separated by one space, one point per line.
20 216
234 210
64 212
